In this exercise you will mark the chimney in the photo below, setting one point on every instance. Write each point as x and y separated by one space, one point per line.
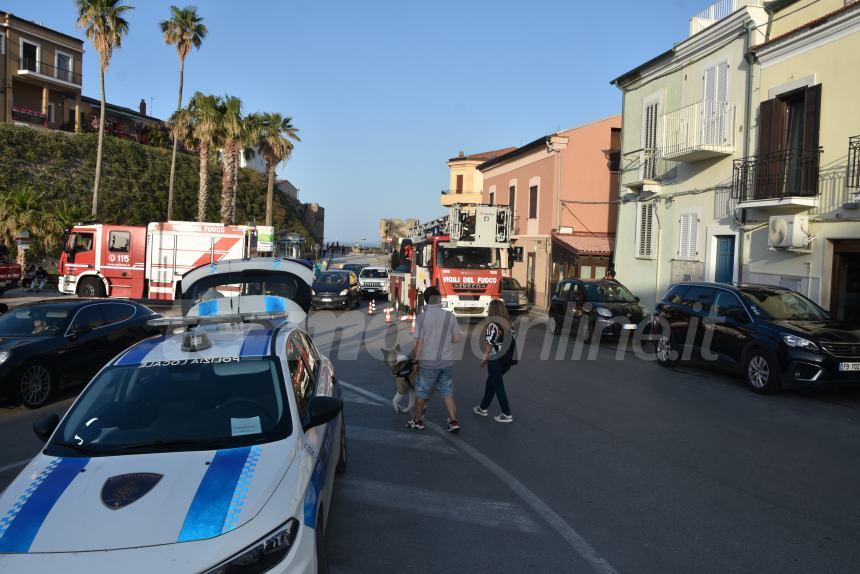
142 107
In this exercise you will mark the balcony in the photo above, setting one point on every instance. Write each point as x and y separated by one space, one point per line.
854 163
699 131
719 10
44 71
28 116
782 181
645 167
451 196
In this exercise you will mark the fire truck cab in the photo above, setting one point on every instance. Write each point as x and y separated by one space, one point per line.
144 262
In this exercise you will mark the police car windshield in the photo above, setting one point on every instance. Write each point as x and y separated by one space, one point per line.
33 322
186 404
374 273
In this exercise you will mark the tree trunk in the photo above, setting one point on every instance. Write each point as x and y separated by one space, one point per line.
227 182
95 209
234 190
203 193
175 143
270 191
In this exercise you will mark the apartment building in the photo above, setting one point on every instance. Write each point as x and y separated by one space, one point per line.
686 116
40 75
467 182
562 189
799 192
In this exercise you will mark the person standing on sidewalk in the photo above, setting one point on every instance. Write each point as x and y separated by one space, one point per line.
497 330
436 332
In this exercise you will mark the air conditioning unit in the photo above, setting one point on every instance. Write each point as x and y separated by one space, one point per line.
788 232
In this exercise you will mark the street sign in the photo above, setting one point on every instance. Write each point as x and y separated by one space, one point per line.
389 239
265 238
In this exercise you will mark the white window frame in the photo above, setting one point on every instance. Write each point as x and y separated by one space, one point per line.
533 182
57 54
652 252
38 53
491 192
692 216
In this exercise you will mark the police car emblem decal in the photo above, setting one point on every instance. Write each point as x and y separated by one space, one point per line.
120 491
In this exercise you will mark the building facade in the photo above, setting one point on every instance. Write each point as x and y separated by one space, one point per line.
799 193
467 181
562 189
686 114
40 75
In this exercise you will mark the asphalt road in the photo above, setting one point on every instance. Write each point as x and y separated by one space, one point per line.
610 466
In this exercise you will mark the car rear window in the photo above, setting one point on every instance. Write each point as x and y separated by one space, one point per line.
676 294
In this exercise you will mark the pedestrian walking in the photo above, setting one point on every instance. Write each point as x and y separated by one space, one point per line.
498 359
436 332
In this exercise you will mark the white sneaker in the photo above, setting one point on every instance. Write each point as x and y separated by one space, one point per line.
503 418
479 411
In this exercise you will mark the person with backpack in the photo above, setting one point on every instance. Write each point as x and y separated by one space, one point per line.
498 359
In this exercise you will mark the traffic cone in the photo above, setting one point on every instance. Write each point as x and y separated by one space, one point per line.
388 314
412 326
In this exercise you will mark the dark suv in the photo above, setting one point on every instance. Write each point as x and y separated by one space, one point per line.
769 334
594 308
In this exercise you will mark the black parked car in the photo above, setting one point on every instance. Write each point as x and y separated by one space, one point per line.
51 344
336 289
594 307
769 334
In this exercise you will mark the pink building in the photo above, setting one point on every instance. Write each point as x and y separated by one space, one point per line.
563 188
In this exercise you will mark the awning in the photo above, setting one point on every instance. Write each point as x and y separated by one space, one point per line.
584 243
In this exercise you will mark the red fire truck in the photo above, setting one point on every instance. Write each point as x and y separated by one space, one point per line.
145 262
462 254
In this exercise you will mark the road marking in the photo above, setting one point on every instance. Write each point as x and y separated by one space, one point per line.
567 532
436 504
401 439
357 399
14 465
367 394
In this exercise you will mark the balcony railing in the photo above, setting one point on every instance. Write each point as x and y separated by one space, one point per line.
45 69
787 173
698 131
719 10
645 165
26 115
854 162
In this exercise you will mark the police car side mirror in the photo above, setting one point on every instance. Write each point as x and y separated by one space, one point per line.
45 426
322 410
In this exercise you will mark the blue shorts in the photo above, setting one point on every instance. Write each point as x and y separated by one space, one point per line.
439 378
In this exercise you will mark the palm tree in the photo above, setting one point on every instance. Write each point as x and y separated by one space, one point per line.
199 126
61 217
22 209
274 141
104 26
186 30
234 132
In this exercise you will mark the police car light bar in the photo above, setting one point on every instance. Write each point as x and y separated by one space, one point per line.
194 321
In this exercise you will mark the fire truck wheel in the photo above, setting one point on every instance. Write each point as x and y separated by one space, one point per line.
34 385
90 287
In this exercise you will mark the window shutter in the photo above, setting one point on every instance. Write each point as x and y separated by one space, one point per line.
720 98
812 118
709 105
512 198
765 121
650 116
646 213
688 236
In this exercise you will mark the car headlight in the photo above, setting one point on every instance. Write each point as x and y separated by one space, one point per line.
799 342
344 292
264 554
313 292
524 298
4 356
604 312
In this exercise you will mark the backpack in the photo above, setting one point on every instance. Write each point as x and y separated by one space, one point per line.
508 358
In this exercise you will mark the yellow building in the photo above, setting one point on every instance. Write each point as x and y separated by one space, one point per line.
466 181
799 195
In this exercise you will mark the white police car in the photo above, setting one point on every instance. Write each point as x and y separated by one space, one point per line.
210 449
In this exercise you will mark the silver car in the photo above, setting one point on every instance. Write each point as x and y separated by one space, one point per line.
514 295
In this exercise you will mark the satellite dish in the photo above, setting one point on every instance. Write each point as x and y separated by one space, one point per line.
777 231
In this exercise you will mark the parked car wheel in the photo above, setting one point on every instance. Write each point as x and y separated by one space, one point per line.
554 325
341 461
762 372
34 385
91 287
666 355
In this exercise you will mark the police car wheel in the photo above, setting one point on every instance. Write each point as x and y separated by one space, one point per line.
34 385
341 460
319 539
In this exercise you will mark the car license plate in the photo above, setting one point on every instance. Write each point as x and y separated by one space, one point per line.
326 300
630 326
371 290
849 366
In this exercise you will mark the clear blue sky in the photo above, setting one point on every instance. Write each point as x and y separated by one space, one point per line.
384 92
